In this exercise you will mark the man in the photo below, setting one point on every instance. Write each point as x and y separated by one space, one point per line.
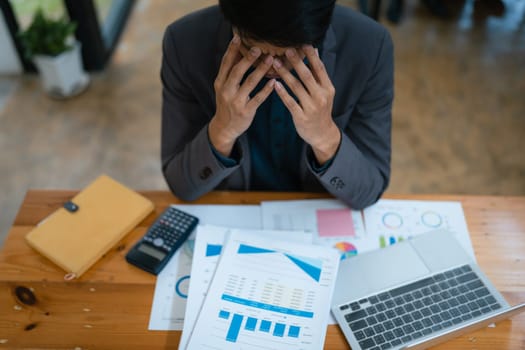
291 95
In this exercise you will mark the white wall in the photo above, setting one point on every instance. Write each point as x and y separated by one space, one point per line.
9 62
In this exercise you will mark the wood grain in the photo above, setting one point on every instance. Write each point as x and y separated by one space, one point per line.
109 307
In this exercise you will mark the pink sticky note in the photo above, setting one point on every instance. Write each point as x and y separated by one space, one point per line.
335 223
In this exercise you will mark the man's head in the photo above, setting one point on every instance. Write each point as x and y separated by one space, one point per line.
282 23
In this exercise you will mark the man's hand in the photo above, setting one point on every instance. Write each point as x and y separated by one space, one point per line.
312 116
235 109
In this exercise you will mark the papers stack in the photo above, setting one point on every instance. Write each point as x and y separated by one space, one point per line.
323 223
266 292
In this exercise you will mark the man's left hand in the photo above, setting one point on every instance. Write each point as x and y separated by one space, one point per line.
312 116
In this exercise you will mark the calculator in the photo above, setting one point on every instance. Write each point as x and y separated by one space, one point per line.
162 240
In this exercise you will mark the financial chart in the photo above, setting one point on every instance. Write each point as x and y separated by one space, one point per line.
391 221
209 242
385 223
263 296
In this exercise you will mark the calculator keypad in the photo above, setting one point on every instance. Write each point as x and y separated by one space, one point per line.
171 229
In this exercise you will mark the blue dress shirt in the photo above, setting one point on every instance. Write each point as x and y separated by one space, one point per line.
275 146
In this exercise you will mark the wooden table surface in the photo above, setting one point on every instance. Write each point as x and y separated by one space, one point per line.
109 306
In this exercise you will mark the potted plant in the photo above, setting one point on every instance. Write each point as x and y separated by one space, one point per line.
56 54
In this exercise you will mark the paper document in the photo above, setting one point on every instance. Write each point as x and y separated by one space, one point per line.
390 221
171 288
267 294
209 241
380 225
330 222
234 216
329 219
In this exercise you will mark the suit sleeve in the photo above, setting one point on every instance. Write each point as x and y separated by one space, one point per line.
360 171
188 163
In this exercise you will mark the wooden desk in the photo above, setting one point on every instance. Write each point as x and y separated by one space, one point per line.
109 306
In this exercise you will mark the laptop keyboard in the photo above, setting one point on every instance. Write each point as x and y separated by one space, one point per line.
406 313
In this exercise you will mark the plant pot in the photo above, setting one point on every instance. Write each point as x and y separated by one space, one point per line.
62 76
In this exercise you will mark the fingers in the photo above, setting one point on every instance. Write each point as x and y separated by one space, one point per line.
261 96
229 59
238 71
288 100
293 83
316 65
302 70
255 77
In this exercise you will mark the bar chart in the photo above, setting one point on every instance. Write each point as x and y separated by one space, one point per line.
240 323
265 297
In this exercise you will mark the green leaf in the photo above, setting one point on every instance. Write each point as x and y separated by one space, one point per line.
46 36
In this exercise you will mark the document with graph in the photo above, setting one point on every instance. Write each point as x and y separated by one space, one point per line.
380 225
209 240
267 294
390 221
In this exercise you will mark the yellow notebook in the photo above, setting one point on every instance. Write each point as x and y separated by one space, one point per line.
100 216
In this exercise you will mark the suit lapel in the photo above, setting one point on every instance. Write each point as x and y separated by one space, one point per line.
224 36
328 55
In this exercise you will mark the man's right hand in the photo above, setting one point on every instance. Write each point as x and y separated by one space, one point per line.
235 109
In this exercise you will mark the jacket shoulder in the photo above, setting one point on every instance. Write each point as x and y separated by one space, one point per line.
347 22
196 26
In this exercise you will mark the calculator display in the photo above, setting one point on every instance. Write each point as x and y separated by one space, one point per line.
151 251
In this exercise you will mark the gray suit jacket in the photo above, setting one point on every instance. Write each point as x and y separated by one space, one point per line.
358 56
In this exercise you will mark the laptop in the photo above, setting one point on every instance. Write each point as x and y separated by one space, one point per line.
414 294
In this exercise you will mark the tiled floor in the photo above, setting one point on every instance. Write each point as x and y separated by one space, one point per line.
459 113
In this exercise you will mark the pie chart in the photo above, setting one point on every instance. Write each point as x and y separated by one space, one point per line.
347 249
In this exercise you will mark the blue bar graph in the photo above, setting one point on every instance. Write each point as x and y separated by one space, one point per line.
224 314
278 331
293 331
234 329
265 326
235 326
251 323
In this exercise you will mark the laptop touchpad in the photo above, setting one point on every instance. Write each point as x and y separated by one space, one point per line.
391 266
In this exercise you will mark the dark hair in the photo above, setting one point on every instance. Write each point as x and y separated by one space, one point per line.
280 22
